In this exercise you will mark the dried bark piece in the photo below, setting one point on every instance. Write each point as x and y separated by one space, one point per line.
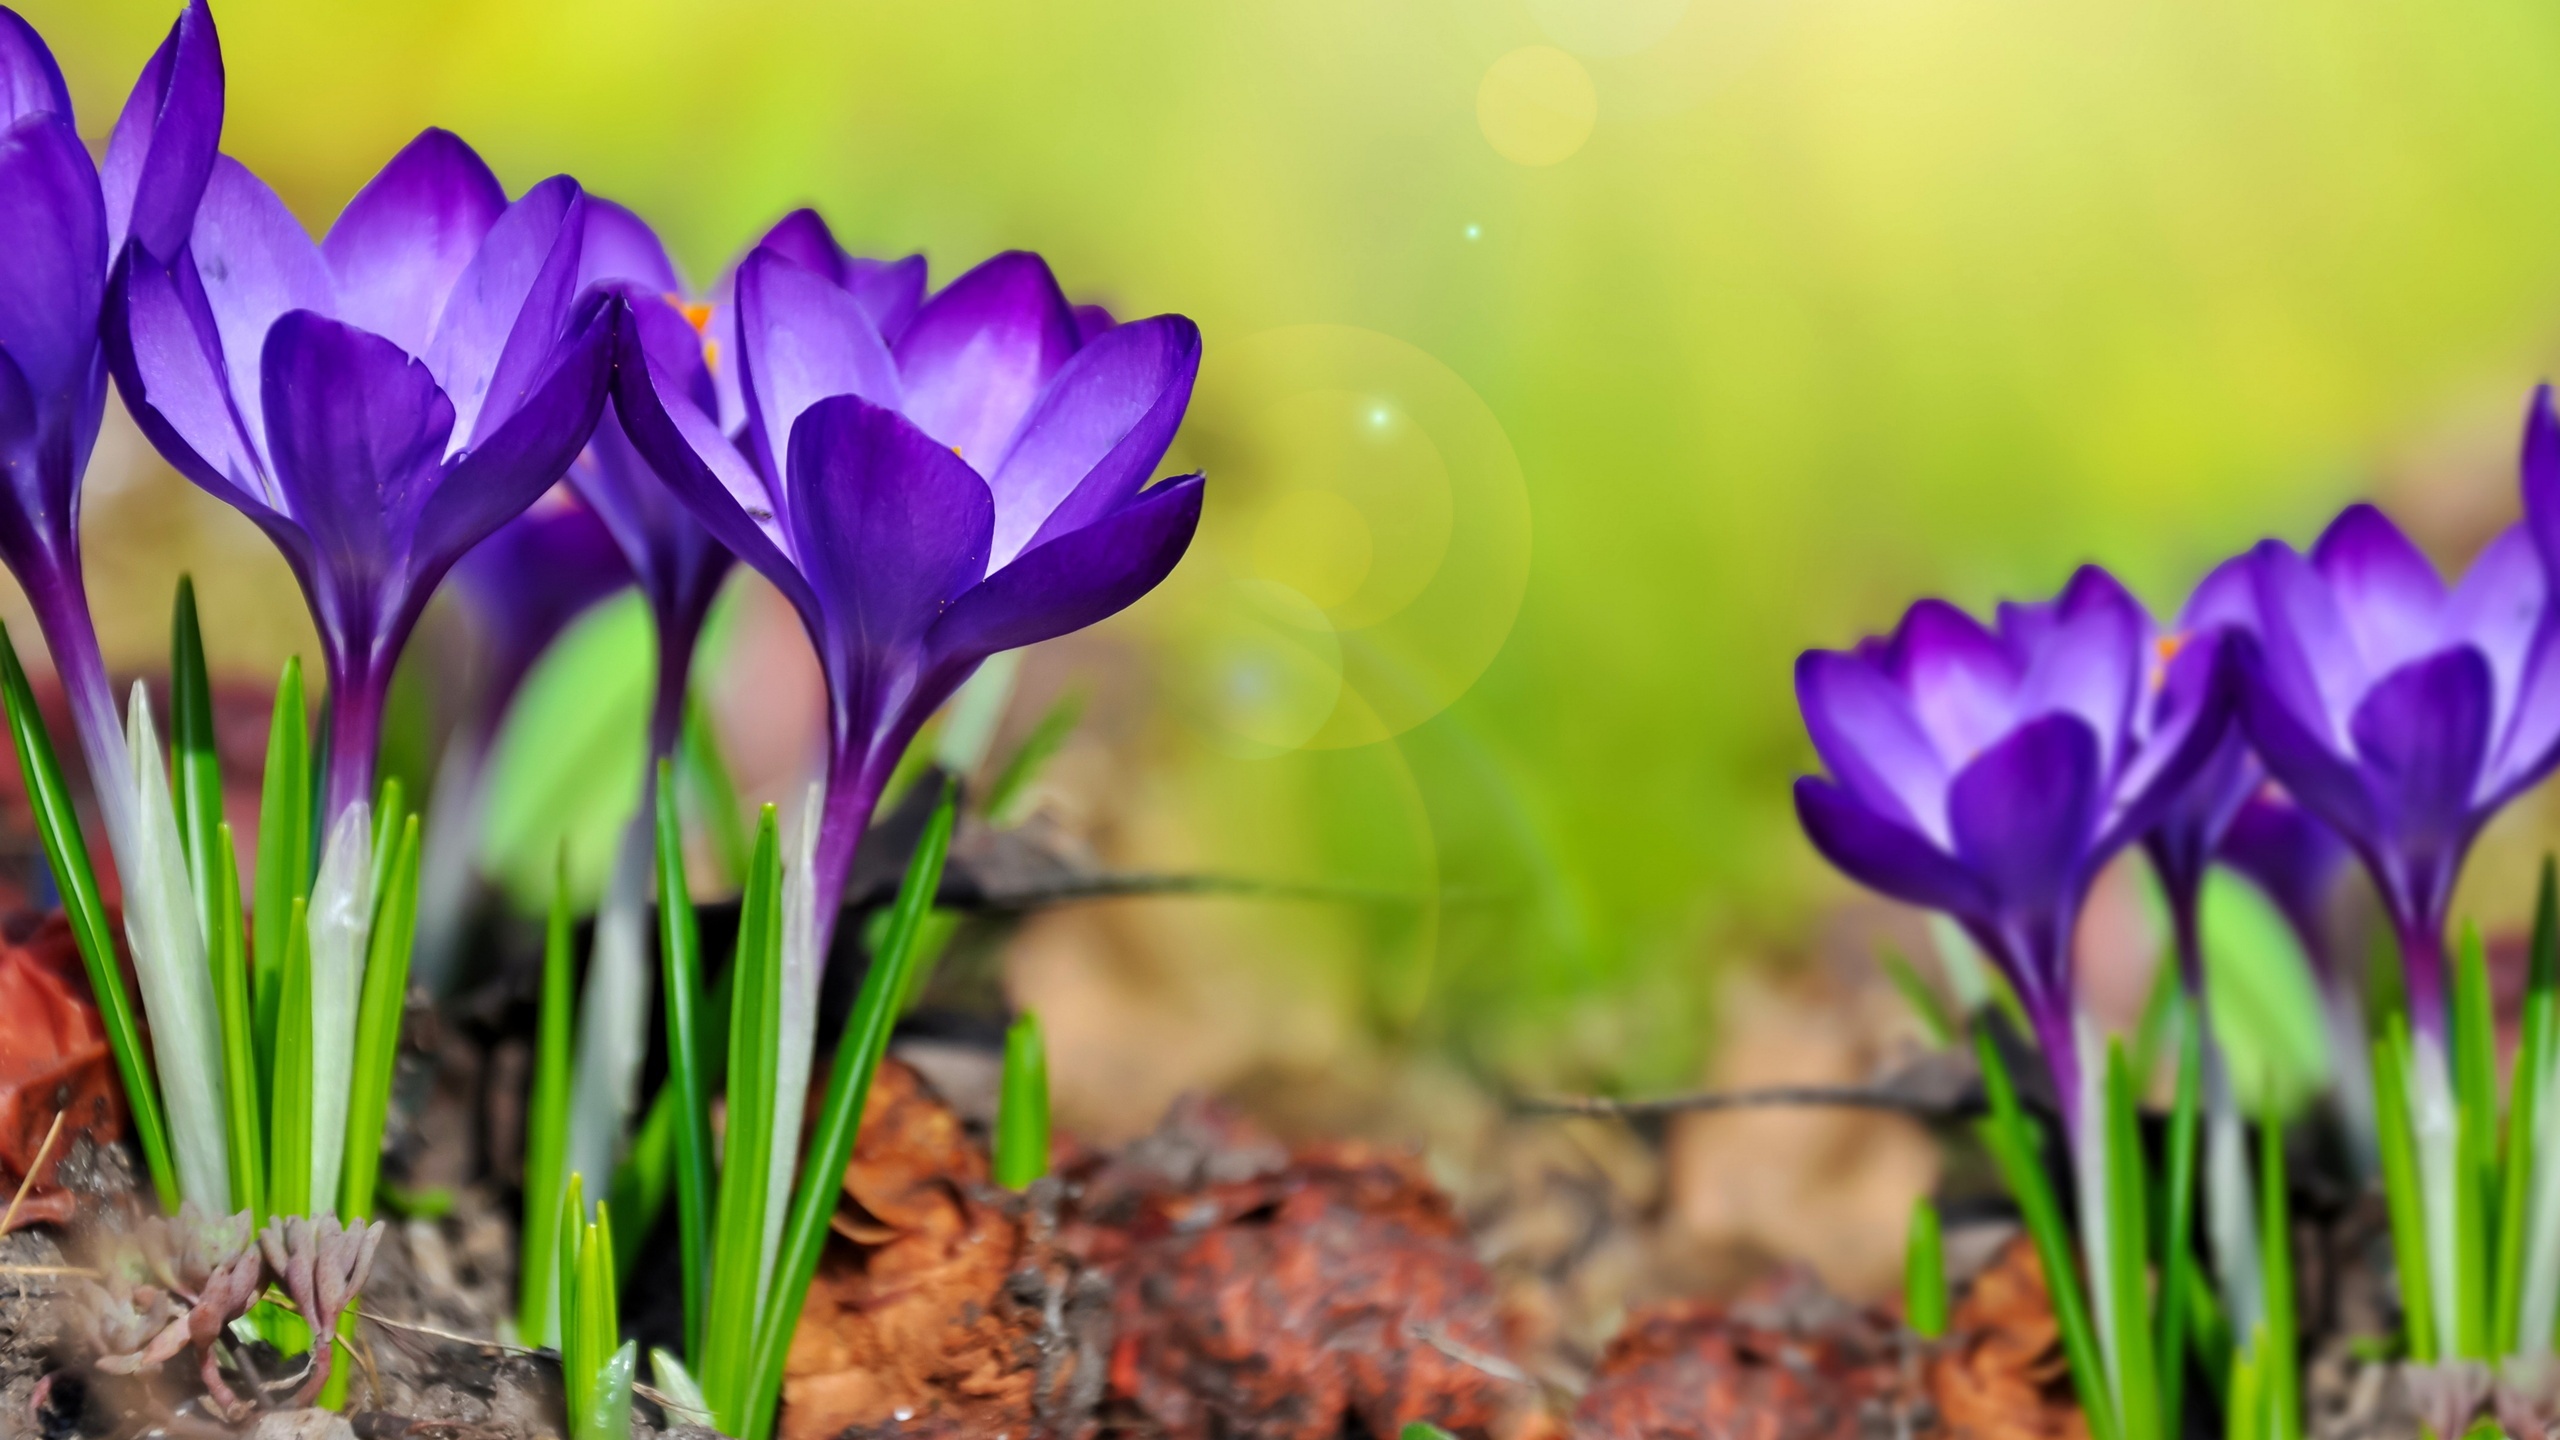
53 1060
1793 1365
2000 1374
912 1323
1265 1296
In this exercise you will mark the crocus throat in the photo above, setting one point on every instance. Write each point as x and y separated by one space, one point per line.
2036 958
61 605
355 734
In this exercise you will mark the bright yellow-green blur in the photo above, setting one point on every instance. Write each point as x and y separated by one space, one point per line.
1573 364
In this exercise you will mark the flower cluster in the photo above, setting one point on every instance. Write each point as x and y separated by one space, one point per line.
2305 706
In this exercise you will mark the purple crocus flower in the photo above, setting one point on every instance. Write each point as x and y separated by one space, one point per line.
679 564
378 403
61 221
527 582
2182 842
2287 853
1989 772
2404 713
978 485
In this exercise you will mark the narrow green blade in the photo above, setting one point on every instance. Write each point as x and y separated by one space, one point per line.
198 770
1924 1272
688 1098
1013 782
241 1082
1925 1005
2177 1254
284 846
289 1119
2277 1361
2475 1079
546 1137
378 1015
2406 1201
1022 1106
577 1368
724 814
58 826
858 1052
2128 1233
729 1332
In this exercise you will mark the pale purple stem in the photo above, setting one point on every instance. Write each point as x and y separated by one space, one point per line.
61 605
355 734
2422 972
855 778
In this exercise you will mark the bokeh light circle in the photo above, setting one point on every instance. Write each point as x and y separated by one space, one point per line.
1608 27
1365 547
1536 105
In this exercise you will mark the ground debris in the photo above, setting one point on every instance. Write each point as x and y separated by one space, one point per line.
1285 1296
1789 1363
53 1061
2000 1374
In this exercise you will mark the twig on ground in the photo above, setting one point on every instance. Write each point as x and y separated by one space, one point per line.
1852 1097
29 1183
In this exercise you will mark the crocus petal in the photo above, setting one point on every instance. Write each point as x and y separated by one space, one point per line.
166 353
1883 856
2541 476
2186 730
2301 757
2309 661
620 246
53 233
1078 579
2498 608
2227 596
162 149
2091 662
801 340
2530 745
1091 321
1095 436
688 452
255 263
2423 735
30 83
1863 729
2289 854
888 525
802 237
530 449
2024 813
400 245
1962 681
2391 599
504 319
979 353
889 291
357 430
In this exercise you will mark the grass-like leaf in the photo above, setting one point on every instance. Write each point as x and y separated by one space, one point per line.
2012 1141
2128 1235
2475 1116
1013 783
706 771
737 1245
1022 1106
2538 1306
1924 1272
613 1011
546 1129
289 1082
2178 1273
169 960
687 1094
858 1052
284 847
2280 1343
2401 1189
609 1402
562 1274
67 854
242 1085
385 999
682 1393
1922 997
2524 1119
339 918
192 757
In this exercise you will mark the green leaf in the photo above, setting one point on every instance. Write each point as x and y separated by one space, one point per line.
686 1096
609 1407
2524 1108
680 1392
378 1015
2475 1097
1022 1106
1013 783
858 1052
2263 998
707 775
564 773
58 827
1917 993
546 1138
2128 1232
1423 1430
241 1083
2277 1357
2178 1193
284 847
577 1367
2401 1191
168 945
1924 1272
737 1253
192 756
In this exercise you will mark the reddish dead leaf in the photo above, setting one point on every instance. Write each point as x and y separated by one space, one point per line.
53 1060
2000 1375
1264 1296
909 1324
1797 1366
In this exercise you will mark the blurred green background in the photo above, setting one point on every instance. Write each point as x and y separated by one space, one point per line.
1573 364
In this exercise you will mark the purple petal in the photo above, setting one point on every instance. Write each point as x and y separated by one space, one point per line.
2296 748
1863 729
2290 855
2310 663
162 150
801 340
2529 745
889 291
888 525
1091 321
802 237
1078 579
2185 729
620 245
2541 475
400 245
2025 814
53 233
533 576
255 263
979 353
30 83
1962 680
2227 596
1095 436
678 564
502 323
2498 608
685 448
357 430
529 449
2089 661
166 352
1882 855
2391 599
2423 736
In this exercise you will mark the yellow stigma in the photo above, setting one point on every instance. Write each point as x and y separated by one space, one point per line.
710 354
697 316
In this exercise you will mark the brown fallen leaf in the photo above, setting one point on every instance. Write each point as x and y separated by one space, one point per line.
2000 1373
53 1061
